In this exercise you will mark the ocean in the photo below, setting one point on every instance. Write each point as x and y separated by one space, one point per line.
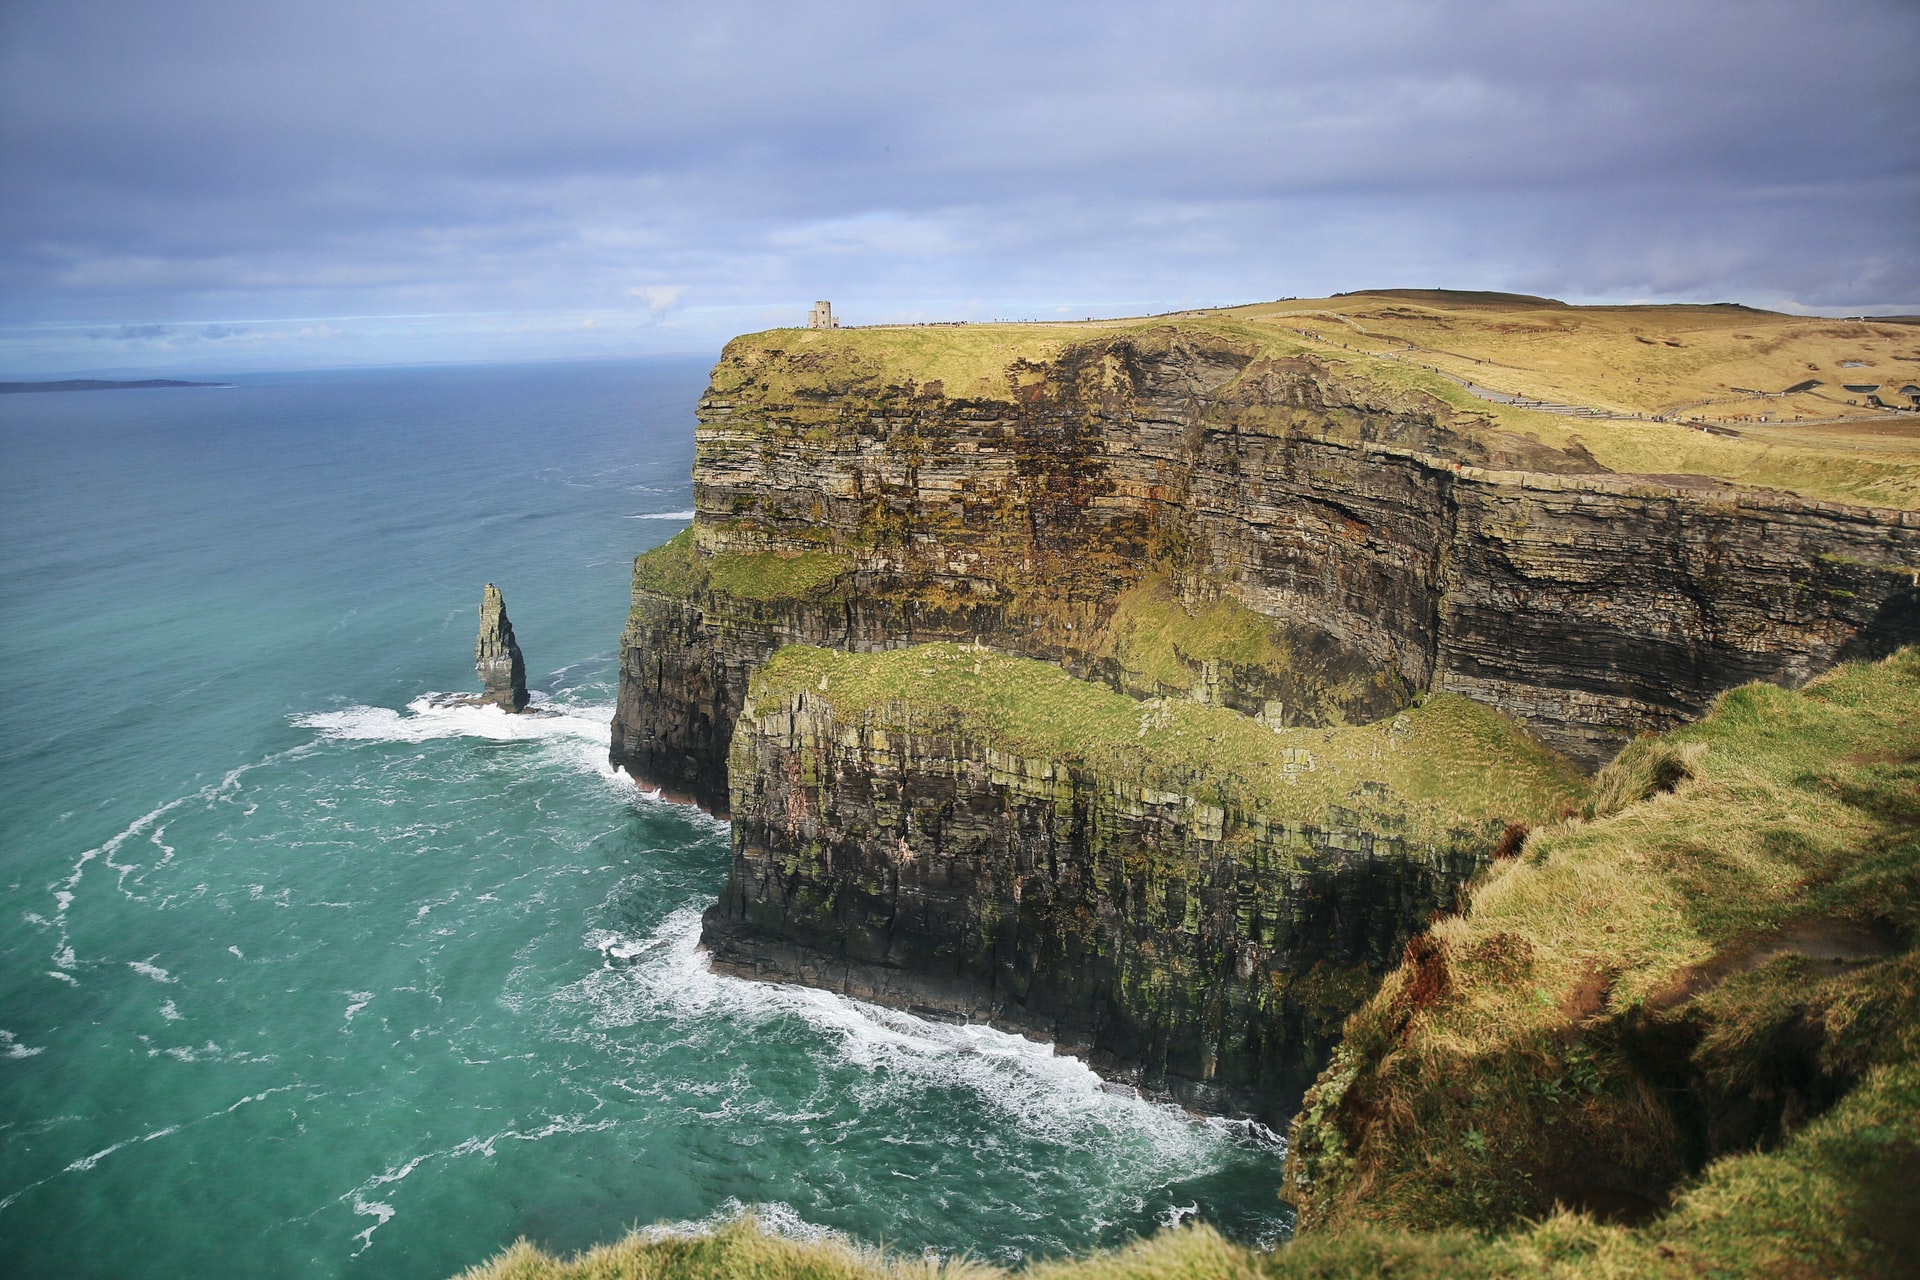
304 977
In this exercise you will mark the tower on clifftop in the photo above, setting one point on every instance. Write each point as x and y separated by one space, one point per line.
821 317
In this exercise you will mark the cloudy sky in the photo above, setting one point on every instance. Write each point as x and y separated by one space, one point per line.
214 185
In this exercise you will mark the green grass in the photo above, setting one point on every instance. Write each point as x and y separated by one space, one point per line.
1163 645
1684 937
782 366
775 575
1448 762
679 572
736 1251
671 569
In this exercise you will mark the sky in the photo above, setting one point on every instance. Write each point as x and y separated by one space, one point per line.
213 186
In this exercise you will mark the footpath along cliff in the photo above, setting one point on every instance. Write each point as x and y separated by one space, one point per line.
1165 677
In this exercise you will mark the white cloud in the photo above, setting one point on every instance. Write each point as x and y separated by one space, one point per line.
438 180
658 297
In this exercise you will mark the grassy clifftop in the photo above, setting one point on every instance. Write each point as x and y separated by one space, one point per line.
1773 388
1723 969
1449 761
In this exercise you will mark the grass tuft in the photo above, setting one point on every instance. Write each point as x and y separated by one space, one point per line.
1647 767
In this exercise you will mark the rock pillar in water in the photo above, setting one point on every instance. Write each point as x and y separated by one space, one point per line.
497 657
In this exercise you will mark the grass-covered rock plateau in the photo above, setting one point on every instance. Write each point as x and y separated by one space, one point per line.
1472 731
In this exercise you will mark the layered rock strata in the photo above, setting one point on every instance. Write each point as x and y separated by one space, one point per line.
1176 514
1386 542
497 656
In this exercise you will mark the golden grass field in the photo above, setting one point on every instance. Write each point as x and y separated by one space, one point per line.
1677 390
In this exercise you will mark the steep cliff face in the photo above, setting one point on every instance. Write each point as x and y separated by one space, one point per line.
1190 899
1196 517
1382 542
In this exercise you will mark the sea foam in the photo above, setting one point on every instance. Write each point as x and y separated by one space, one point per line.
430 717
1049 1095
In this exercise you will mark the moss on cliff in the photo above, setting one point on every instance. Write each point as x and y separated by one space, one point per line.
775 575
1219 650
677 571
670 569
1447 762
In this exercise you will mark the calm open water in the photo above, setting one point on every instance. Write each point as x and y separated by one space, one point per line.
303 977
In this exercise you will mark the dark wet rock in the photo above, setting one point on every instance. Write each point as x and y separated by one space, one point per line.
1205 953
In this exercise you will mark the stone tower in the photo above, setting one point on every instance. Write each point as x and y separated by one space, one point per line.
821 317
497 656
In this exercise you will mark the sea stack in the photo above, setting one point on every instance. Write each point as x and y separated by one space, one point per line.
497 657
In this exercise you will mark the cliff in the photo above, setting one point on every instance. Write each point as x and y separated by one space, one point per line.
1365 537
1188 898
1220 513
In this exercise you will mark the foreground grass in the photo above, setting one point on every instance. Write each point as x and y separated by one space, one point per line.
1694 976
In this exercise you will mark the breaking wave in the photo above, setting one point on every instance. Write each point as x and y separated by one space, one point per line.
432 716
1050 1096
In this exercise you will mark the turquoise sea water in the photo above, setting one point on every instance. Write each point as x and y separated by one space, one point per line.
303 977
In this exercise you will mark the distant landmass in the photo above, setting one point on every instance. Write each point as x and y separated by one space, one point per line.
98 384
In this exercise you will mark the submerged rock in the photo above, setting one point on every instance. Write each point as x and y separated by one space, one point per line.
497 657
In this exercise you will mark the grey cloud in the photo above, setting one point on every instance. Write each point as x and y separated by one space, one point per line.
211 161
